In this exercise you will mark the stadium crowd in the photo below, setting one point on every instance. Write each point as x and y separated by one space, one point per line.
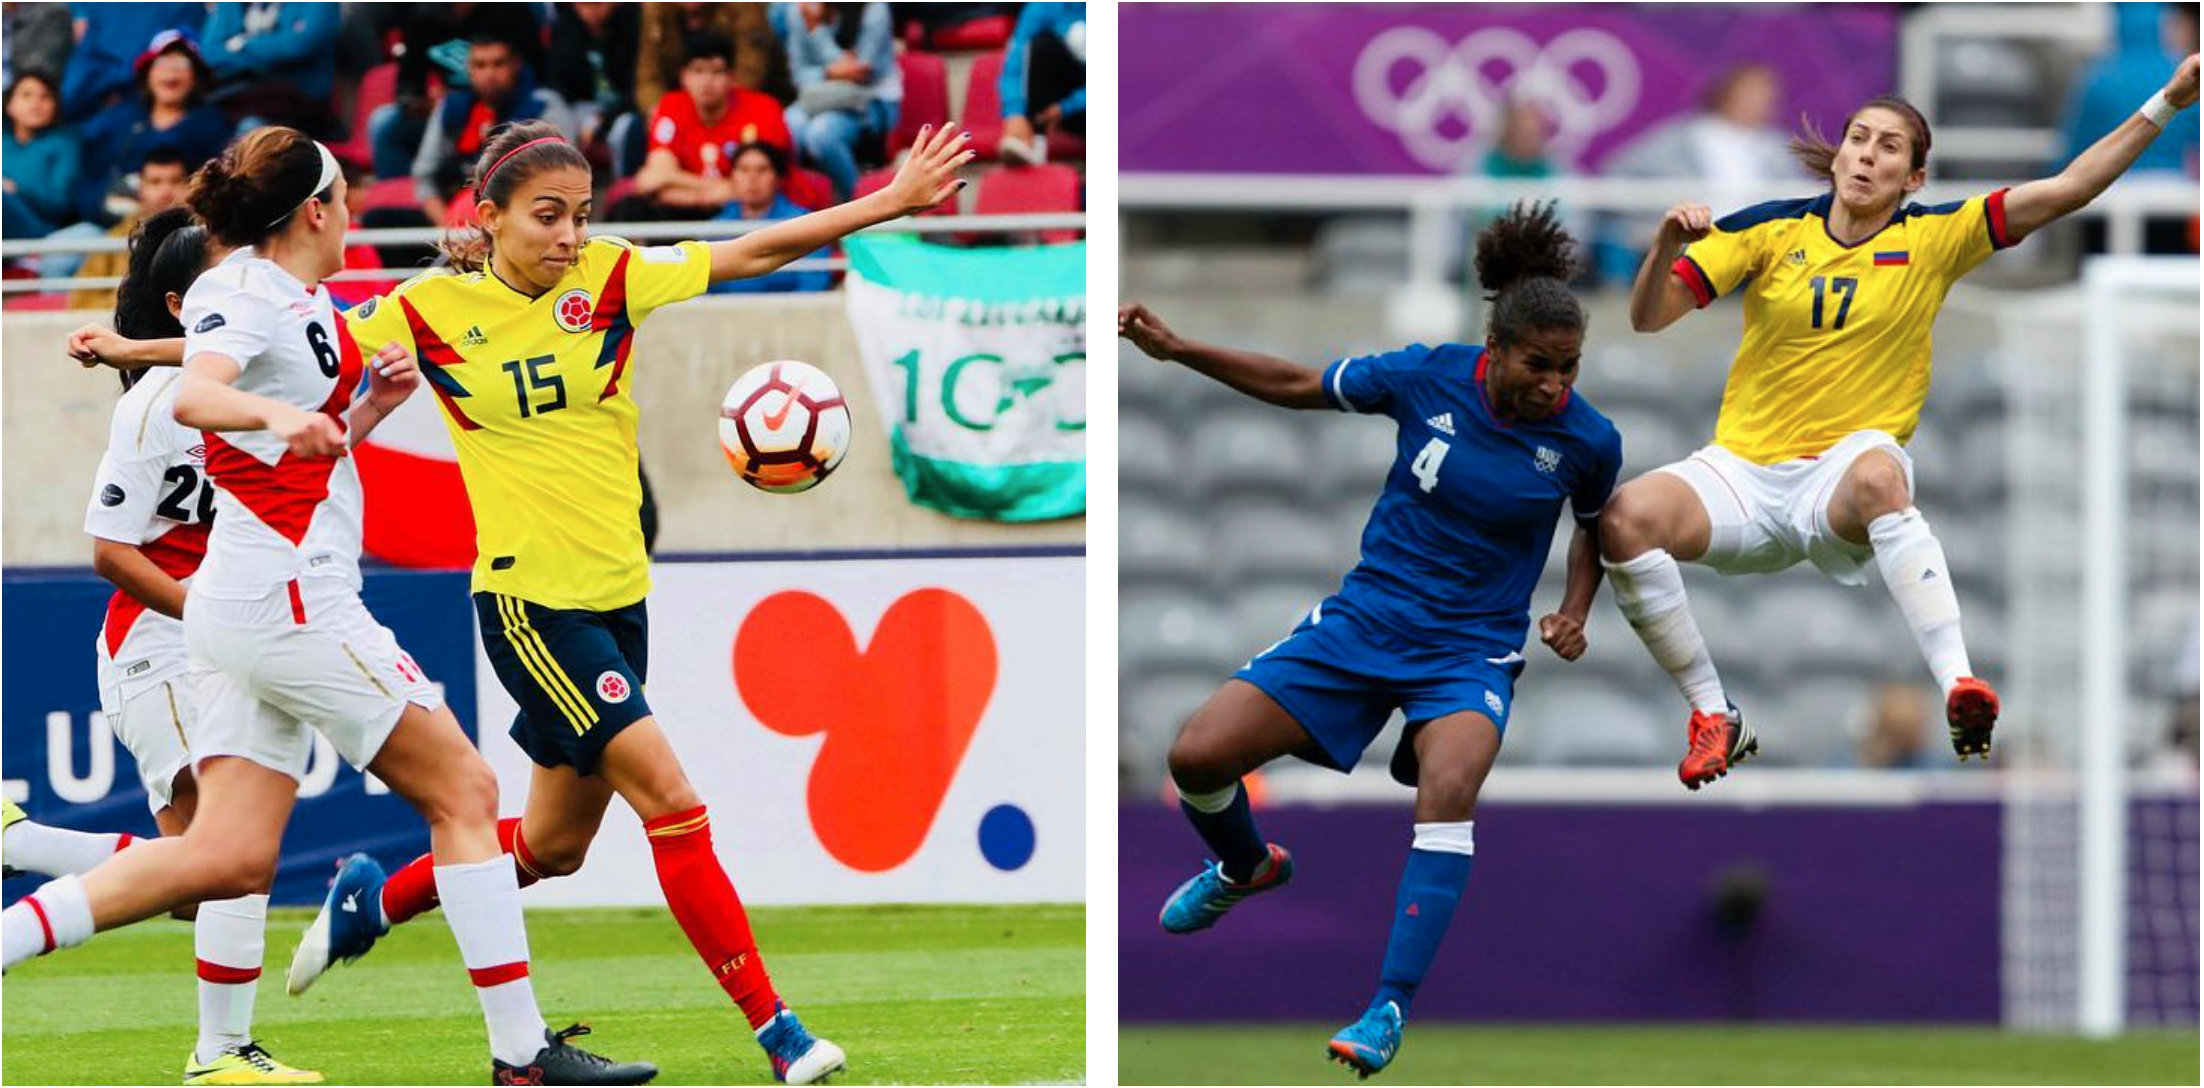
739 111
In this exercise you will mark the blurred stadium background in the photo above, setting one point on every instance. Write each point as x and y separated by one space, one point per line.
110 104
1304 179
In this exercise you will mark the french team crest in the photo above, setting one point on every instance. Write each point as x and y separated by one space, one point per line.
573 310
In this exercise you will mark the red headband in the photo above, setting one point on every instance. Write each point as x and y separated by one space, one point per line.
483 185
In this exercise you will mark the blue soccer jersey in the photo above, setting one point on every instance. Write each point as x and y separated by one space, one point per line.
1432 621
1459 536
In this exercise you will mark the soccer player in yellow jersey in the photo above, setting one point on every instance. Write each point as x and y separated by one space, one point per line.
527 341
1808 460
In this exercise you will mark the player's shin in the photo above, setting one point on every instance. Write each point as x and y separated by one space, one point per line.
703 902
412 889
1430 887
1913 567
55 916
230 940
482 904
1650 592
1226 822
33 847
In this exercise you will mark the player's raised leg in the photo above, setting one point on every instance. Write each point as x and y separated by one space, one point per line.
1453 754
27 846
1651 524
641 765
1238 730
429 761
1873 505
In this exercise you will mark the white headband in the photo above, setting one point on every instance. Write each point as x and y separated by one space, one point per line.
330 171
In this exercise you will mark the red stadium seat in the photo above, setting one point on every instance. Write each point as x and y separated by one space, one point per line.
983 104
1049 188
378 85
925 97
985 32
809 188
1065 147
389 193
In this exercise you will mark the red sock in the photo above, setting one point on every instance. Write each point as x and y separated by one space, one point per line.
704 903
412 889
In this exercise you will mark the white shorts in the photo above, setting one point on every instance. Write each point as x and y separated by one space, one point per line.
1768 517
272 677
157 724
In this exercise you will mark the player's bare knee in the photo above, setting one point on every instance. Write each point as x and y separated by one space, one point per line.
233 876
1879 487
1629 526
1197 763
558 856
1446 794
466 793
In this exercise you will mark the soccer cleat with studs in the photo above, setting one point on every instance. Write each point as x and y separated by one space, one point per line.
1718 743
246 1063
562 1063
1207 895
350 921
797 1056
1971 708
1368 1045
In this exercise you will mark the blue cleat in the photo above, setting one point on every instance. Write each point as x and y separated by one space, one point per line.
797 1057
1367 1046
1202 900
351 919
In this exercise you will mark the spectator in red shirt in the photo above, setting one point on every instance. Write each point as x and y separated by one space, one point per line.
697 127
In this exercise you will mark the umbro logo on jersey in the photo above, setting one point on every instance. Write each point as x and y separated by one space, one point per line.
474 337
1796 256
1549 459
209 323
1442 423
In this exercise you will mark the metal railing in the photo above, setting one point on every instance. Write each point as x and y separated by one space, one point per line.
698 229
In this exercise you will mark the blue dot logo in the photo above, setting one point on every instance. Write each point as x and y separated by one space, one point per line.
1006 837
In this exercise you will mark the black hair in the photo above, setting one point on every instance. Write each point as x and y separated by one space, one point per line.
202 76
167 251
1525 261
499 172
53 90
705 45
165 155
777 157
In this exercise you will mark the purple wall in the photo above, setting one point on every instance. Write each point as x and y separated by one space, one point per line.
1591 913
1274 88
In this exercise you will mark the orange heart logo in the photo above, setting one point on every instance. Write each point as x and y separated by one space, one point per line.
898 715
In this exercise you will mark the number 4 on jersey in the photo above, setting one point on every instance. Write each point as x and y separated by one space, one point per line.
1426 465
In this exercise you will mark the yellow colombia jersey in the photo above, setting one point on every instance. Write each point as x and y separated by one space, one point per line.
1836 336
536 393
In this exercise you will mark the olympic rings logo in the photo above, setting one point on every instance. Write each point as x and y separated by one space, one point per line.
1452 100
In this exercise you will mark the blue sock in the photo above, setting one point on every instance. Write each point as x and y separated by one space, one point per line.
1429 888
1229 831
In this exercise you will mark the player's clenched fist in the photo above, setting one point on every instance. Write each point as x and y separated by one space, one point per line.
1147 331
1686 222
1563 636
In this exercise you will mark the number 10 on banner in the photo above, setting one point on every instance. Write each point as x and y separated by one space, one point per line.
978 389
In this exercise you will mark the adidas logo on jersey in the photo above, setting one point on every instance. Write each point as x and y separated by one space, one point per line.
1442 423
474 337
1796 256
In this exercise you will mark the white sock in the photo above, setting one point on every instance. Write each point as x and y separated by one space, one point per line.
57 851
482 905
1919 579
1211 803
1650 592
55 916
230 939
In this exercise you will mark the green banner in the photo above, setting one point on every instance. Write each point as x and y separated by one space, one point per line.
978 359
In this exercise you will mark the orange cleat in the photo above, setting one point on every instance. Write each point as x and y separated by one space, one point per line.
1971 708
1718 742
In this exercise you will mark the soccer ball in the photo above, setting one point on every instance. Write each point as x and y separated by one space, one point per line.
784 426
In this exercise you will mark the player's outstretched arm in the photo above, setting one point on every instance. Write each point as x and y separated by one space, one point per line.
928 177
207 401
1660 296
1265 377
98 345
2039 203
1563 630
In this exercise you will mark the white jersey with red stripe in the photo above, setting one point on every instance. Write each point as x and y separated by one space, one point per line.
151 493
279 517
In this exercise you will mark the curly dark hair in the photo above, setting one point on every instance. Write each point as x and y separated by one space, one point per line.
1525 261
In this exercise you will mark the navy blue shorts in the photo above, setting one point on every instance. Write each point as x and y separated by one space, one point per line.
1343 692
577 675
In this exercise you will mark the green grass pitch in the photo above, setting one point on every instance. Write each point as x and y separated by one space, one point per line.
1680 1054
915 995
